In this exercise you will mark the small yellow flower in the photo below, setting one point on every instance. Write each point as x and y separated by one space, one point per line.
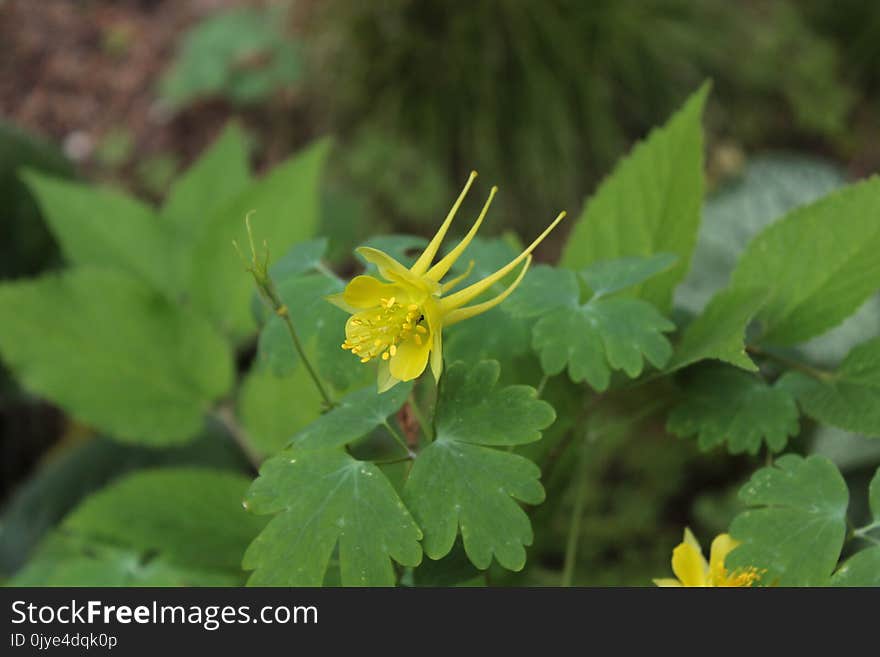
399 321
691 569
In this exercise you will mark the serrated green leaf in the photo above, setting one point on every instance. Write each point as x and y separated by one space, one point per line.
796 533
805 300
68 475
861 569
354 416
719 332
848 398
609 276
71 561
649 204
191 516
768 187
114 354
460 482
601 336
285 207
324 497
220 173
163 527
100 226
723 404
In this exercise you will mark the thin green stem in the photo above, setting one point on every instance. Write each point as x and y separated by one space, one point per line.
574 525
399 439
862 531
420 417
285 315
226 417
541 384
259 269
865 537
791 363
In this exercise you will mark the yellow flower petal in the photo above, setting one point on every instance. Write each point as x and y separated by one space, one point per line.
690 539
391 270
689 565
385 381
410 360
666 582
721 547
368 292
338 300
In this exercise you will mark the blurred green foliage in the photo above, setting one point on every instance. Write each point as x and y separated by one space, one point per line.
542 97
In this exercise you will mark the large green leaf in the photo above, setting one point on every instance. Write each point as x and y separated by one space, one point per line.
458 481
874 496
72 561
113 353
719 332
797 529
861 569
285 207
324 497
100 226
848 398
190 516
164 527
218 176
273 408
649 204
805 299
354 416
68 475
768 187
724 404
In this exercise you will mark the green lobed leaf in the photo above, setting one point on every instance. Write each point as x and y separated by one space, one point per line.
797 529
719 332
299 259
861 569
848 398
324 497
100 226
649 204
114 354
460 482
601 336
722 404
609 276
805 300
285 207
354 416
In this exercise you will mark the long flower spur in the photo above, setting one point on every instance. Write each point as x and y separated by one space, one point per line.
399 321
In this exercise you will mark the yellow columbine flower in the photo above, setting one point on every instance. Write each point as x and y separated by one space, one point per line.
691 569
399 321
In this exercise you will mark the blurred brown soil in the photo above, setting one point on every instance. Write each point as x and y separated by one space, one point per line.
73 71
